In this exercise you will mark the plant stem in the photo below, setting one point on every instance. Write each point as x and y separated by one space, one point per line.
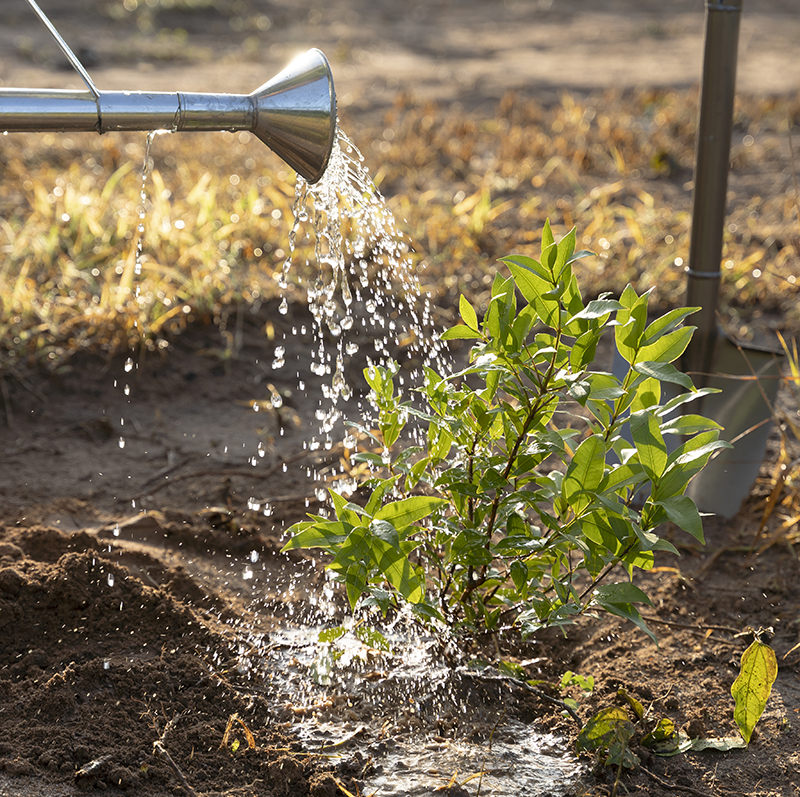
608 569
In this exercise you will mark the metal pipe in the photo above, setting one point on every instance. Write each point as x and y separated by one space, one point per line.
712 165
294 114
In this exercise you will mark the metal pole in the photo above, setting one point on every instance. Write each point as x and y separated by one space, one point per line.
712 165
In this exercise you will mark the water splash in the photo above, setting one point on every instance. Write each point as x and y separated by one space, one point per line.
418 718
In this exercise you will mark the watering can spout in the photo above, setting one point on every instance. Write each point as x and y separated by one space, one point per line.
294 114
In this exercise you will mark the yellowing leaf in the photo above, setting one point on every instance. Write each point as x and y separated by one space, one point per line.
752 688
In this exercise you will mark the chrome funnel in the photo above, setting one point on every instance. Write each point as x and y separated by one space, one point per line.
294 114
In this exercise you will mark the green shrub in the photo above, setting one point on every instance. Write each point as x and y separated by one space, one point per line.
519 507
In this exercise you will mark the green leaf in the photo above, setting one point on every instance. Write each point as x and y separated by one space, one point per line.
529 264
345 511
569 678
584 349
399 571
618 599
355 581
623 592
548 241
668 348
534 289
519 575
374 639
645 396
666 323
623 476
598 308
688 424
331 634
608 733
685 398
460 332
682 511
513 669
636 706
585 473
663 732
368 456
631 324
467 312
649 444
409 510
316 535
564 249
499 315
753 686
385 531
664 372
629 612
579 256
380 490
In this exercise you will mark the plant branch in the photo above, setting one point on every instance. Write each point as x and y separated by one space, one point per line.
160 749
608 569
672 787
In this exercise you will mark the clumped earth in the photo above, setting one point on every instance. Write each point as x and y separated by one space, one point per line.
149 625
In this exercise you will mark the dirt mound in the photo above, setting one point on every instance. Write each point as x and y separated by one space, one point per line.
97 666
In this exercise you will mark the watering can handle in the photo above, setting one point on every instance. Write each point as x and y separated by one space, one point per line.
71 57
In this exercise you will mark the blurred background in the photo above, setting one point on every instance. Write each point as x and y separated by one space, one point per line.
478 119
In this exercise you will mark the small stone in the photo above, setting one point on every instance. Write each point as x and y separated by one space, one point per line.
11 582
10 551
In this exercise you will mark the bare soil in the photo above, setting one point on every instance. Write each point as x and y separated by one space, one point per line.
144 604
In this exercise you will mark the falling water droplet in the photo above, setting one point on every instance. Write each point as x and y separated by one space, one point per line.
110 579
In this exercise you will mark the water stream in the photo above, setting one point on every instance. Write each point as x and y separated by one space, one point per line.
365 278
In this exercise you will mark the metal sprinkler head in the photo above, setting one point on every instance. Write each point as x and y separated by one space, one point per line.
294 113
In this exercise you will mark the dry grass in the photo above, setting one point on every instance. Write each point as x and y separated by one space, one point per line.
466 188
620 168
